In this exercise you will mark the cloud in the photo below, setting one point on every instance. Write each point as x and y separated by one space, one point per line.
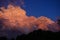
14 18
13 2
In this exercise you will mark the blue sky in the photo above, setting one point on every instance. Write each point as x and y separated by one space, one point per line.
48 8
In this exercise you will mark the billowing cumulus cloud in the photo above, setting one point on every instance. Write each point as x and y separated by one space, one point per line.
14 17
14 20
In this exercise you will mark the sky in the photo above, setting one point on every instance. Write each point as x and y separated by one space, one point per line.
37 8
48 8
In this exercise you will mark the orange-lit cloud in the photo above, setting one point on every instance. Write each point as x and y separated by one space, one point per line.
14 18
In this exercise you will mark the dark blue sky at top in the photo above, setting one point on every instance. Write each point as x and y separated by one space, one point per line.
48 8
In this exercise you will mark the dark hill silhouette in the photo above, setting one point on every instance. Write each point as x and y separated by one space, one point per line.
3 38
21 37
38 35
